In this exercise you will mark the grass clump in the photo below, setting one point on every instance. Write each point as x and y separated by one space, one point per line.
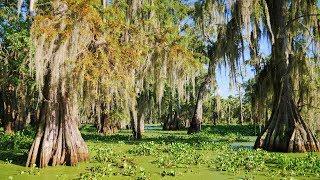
14 148
144 149
110 163
168 173
276 164
166 154
20 140
179 155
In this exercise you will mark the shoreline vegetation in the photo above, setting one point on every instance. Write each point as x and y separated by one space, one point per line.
224 152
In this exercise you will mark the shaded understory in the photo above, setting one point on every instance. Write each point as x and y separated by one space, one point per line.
220 152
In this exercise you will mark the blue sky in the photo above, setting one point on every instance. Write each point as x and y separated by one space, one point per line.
222 74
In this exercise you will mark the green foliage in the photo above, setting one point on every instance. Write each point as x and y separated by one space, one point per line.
14 46
111 163
168 173
31 171
20 141
179 155
174 152
97 172
261 161
167 153
14 147
106 155
239 130
144 149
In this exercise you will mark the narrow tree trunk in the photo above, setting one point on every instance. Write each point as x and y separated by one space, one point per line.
241 106
9 114
139 133
142 119
134 123
34 122
19 5
215 117
58 140
142 102
229 114
104 3
105 124
8 127
266 115
32 7
140 123
195 124
168 119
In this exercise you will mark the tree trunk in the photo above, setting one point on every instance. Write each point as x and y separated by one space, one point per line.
215 117
140 121
286 131
8 109
8 127
19 5
229 114
241 105
139 132
138 114
32 7
266 115
106 126
134 122
34 114
58 140
104 3
195 124
168 120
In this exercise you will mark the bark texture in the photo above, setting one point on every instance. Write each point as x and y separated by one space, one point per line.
195 123
107 126
173 122
8 108
286 131
58 140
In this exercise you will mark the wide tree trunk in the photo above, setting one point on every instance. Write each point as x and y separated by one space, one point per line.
173 122
106 126
286 131
58 140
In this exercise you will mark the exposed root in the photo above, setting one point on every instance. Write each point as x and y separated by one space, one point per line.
286 131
